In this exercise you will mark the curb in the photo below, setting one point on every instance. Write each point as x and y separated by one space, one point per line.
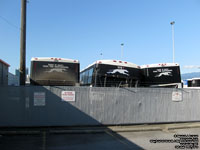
93 130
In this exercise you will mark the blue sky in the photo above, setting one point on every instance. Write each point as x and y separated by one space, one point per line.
83 29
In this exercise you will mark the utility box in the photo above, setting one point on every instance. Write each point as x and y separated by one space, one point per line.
3 72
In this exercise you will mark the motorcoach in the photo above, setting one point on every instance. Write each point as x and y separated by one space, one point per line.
195 82
161 75
54 71
110 73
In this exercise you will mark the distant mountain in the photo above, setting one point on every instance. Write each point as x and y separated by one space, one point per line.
190 75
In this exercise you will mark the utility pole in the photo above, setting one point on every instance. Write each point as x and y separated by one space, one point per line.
22 69
172 23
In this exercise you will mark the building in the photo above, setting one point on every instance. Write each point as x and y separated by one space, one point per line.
13 79
4 72
17 74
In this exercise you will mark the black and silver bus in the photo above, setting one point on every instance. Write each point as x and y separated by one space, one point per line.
189 83
161 75
195 82
110 73
54 71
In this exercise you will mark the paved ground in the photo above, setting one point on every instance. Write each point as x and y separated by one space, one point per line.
146 139
117 138
99 141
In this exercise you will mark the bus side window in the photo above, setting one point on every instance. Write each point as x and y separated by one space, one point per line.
90 72
85 77
81 78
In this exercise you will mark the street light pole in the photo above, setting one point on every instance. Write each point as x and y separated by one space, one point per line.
172 24
101 54
122 46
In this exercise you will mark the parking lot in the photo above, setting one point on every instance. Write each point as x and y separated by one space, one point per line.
118 138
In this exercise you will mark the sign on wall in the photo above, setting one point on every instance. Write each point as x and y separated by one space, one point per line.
177 96
68 96
39 99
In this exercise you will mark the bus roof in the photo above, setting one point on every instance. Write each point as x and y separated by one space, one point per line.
189 79
114 63
196 78
53 59
159 65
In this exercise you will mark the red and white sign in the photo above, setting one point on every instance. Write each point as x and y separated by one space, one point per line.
68 96
177 96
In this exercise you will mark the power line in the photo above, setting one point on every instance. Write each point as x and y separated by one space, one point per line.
8 22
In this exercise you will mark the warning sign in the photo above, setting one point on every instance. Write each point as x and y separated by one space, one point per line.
39 98
177 96
68 96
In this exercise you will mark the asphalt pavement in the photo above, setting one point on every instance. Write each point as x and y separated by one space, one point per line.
159 136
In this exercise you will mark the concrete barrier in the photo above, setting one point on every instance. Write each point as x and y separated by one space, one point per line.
44 106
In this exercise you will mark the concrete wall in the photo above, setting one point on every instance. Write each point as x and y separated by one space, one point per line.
96 106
